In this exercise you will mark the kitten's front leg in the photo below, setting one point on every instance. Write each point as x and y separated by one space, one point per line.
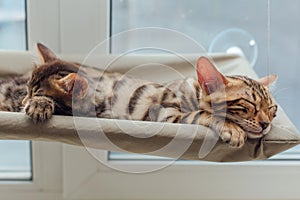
227 130
39 108
232 133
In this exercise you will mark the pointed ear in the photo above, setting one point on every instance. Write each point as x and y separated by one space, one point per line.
268 80
210 79
74 85
45 54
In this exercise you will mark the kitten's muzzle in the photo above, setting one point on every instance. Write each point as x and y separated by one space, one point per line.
264 131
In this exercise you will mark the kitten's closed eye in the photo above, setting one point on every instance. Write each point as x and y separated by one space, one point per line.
239 108
61 74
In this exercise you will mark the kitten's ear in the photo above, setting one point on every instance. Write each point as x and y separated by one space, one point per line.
268 80
74 85
45 54
210 79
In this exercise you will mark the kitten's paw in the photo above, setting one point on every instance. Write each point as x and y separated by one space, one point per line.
39 109
234 135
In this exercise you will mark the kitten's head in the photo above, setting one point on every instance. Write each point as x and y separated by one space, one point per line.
238 98
57 79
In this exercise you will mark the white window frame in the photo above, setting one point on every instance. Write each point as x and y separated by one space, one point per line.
65 172
46 182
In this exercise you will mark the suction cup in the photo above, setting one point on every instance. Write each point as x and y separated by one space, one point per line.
236 41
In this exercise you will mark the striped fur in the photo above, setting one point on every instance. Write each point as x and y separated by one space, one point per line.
238 106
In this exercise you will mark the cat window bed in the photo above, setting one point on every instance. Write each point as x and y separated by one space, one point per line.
168 140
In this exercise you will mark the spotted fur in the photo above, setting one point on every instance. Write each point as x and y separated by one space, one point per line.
234 106
12 91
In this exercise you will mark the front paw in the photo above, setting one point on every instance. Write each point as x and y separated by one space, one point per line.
233 134
39 108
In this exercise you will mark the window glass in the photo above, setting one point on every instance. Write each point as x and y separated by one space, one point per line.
15 156
227 26
12 25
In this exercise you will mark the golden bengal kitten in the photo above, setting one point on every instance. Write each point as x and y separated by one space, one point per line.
233 106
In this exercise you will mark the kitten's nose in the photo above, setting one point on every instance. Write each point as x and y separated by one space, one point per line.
264 125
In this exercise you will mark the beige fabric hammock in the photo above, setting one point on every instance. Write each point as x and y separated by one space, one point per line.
152 138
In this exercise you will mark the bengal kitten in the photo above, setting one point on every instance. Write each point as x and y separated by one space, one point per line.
234 106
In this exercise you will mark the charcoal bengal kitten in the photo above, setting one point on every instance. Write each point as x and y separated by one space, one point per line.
234 106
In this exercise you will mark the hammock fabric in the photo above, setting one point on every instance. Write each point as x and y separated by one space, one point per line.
161 139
